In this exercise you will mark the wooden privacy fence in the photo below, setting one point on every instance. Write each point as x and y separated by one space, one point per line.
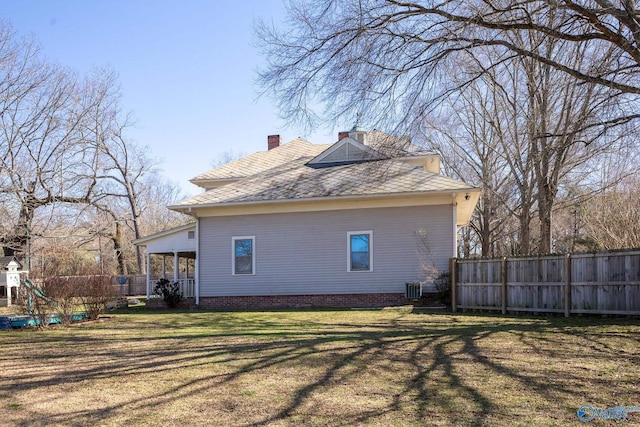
594 283
134 284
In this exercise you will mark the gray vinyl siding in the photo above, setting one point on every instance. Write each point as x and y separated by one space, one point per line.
306 253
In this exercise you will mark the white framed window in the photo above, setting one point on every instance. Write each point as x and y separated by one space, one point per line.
359 251
243 255
191 235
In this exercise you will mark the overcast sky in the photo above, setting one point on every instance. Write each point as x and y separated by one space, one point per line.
187 70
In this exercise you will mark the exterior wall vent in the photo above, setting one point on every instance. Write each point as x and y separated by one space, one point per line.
413 290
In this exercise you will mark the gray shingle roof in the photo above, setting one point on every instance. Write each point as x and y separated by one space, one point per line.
295 180
5 260
262 160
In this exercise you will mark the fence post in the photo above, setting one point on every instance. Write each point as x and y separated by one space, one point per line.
567 285
452 275
503 273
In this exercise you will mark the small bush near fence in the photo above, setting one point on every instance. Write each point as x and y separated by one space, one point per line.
442 284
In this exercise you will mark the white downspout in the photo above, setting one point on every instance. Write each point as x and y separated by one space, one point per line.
455 227
196 267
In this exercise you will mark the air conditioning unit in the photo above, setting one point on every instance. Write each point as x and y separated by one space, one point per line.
413 290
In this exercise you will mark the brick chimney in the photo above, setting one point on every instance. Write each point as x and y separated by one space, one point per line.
273 141
342 135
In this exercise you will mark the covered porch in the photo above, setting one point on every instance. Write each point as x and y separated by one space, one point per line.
175 266
172 254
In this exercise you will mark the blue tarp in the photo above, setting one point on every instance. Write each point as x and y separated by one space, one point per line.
8 322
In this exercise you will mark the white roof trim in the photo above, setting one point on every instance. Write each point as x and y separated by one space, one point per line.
141 241
181 208
214 180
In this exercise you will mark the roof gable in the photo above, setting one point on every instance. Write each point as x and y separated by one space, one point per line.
6 260
345 151
165 233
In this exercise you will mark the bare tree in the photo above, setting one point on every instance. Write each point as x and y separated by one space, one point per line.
570 125
558 75
523 132
113 217
157 195
611 219
124 169
389 59
45 156
385 58
71 182
469 132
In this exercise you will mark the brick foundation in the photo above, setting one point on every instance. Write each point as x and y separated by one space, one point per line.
159 303
304 301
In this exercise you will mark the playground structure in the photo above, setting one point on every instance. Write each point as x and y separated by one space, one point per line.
31 319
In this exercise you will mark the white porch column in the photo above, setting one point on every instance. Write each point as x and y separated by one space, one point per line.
148 275
176 267
164 267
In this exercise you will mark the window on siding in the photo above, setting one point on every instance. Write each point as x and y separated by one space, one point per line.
360 251
244 256
191 235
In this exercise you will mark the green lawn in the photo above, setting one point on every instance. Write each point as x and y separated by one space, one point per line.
334 368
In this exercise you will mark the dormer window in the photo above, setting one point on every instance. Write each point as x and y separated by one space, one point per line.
346 151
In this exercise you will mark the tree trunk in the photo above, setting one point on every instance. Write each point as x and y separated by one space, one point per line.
117 247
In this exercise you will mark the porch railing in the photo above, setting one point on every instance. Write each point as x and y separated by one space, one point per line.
187 287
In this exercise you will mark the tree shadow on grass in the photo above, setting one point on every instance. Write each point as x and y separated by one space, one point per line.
428 362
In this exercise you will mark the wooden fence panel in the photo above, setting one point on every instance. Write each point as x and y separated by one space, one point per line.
480 285
135 284
598 283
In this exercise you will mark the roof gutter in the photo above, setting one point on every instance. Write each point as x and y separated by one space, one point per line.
189 208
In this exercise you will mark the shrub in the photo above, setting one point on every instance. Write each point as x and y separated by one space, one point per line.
61 295
97 292
64 291
170 292
442 283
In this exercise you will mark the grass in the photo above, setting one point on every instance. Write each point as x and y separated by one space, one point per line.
331 368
